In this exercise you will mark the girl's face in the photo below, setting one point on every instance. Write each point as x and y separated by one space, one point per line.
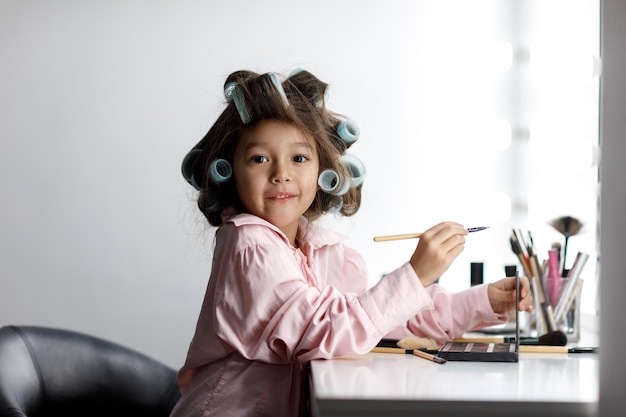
276 167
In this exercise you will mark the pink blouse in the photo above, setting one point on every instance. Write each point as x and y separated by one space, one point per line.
269 308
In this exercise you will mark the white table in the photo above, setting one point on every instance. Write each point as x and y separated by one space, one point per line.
396 385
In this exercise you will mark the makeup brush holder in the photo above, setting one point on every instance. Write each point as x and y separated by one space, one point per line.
534 325
570 323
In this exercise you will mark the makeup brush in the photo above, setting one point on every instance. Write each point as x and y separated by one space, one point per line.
554 338
418 235
567 226
557 246
540 349
408 345
413 342
416 352
558 349
517 250
417 343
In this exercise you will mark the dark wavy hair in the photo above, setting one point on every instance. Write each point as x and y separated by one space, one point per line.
303 105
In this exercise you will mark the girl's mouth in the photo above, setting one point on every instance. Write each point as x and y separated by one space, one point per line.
281 197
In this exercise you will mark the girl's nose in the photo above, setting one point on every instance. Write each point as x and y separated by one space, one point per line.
281 174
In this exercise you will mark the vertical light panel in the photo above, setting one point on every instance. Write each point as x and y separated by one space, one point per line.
506 126
563 106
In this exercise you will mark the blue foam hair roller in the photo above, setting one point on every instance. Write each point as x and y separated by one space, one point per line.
349 131
355 168
295 71
228 89
220 170
329 181
278 86
240 102
187 167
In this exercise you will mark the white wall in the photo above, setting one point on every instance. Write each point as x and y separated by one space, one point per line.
100 100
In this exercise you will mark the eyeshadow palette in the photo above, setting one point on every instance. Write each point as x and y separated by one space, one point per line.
485 352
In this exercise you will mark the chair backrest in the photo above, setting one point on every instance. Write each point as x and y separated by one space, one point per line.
55 372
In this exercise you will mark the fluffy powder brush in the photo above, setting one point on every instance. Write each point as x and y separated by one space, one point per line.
567 226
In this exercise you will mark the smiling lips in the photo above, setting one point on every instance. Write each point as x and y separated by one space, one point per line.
281 197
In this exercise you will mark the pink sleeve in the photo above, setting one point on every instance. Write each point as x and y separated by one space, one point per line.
268 311
453 314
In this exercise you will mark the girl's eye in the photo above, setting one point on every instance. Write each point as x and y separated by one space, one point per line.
259 159
300 158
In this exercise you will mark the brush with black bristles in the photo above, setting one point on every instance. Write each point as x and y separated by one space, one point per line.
567 226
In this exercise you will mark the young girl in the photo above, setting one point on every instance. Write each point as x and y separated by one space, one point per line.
284 291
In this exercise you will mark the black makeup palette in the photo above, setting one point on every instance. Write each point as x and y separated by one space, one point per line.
486 352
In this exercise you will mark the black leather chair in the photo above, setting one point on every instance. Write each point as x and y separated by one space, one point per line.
53 372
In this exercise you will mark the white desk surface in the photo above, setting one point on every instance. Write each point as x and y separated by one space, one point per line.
382 384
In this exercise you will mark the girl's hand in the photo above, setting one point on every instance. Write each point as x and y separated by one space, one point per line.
436 249
502 295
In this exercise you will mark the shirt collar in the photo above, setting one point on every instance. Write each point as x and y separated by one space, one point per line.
310 235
